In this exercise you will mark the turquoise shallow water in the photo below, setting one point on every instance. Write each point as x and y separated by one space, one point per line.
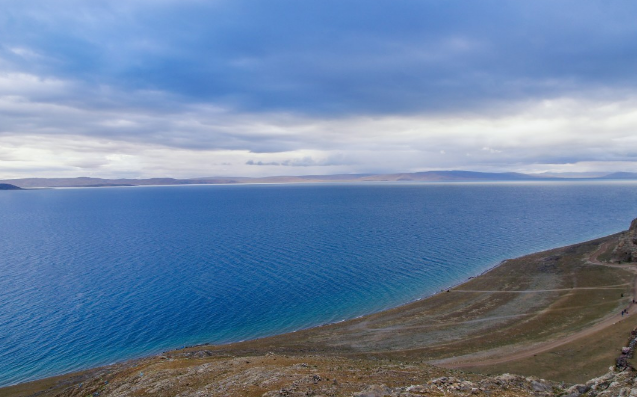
93 276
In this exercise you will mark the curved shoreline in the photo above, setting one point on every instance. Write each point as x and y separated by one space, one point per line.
402 332
209 344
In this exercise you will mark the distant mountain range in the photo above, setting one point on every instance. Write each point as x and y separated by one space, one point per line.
428 176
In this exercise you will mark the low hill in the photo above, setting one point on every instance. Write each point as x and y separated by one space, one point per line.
452 176
621 175
6 186
428 176
425 176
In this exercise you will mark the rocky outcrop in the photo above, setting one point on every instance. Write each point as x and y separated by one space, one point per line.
613 384
623 361
626 250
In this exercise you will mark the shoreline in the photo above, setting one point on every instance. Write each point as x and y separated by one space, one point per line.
209 344
343 324
398 314
318 326
327 324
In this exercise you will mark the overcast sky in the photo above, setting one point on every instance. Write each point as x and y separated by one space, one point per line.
189 88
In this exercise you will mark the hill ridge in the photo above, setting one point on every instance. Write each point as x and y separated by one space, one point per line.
421 176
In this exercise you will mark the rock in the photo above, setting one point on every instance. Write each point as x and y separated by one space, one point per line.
626 250
421 389
577 390
540 387
466 386
375 391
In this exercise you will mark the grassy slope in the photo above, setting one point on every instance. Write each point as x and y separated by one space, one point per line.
458 323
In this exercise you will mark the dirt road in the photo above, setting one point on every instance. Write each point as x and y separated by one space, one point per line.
500 356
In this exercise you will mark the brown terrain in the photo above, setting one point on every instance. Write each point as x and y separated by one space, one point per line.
555 318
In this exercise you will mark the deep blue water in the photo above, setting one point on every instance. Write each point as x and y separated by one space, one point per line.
93 276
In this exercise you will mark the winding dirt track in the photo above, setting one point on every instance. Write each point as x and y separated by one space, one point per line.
481 359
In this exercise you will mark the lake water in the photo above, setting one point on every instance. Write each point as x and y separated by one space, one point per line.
93 276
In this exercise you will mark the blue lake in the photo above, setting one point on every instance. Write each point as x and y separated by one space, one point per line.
93 276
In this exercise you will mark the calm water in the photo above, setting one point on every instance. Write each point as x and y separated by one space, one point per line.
93 276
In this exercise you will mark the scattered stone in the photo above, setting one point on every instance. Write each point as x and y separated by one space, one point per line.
375 391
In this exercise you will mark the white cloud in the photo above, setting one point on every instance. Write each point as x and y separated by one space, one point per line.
25 52
131 136
28 85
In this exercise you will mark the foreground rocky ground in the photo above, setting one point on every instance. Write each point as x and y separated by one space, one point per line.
195 374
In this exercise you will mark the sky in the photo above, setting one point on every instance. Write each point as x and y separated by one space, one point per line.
194 88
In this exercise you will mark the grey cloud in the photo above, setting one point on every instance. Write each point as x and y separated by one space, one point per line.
331 57
301 162
88 163
252 162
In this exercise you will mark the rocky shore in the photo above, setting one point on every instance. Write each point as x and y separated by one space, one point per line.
626 249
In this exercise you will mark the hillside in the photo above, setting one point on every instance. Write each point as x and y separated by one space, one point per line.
274 375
